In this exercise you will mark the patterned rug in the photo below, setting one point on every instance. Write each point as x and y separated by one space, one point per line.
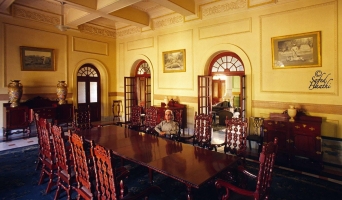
18 180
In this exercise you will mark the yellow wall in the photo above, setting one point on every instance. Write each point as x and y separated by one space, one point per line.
217 27
247 32
72 49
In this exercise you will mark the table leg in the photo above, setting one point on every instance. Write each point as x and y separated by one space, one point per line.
189 197
150 174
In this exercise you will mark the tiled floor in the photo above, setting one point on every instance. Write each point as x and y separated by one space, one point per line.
11 144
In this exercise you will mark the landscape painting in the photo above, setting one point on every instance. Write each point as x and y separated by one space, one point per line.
174 61
37 59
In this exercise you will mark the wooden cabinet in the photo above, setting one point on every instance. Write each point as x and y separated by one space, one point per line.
301 138
275 128
306 139
15 118
20 117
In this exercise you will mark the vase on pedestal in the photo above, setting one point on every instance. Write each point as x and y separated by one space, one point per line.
292 113
62 91
15 90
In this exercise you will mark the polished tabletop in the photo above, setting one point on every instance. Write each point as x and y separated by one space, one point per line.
186 163
193 165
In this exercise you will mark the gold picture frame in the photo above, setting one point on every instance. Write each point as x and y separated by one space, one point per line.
174 61
37 59
297 51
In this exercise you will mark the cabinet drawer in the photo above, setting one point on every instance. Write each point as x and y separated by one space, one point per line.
306 129
275 125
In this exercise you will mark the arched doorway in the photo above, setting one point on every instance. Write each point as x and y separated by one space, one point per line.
143 74
137 89
89 90
226 81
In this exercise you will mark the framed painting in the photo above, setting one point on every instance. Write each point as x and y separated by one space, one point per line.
37 59
174 61
296 51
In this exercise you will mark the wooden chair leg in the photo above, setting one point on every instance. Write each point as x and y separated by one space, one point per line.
50 184
250 146
39 163
42 175
58 192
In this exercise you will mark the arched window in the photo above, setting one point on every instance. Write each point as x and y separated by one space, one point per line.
143 70
227 63
88 70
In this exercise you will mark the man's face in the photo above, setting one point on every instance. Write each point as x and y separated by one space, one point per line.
168 116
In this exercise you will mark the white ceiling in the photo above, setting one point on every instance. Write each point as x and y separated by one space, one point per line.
113 14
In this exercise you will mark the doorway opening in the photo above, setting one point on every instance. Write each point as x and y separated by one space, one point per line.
225 85
89 90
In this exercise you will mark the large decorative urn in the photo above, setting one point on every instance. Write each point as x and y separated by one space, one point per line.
62 91
292 112
15 90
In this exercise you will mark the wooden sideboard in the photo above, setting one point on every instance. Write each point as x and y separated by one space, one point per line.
22 116
301 138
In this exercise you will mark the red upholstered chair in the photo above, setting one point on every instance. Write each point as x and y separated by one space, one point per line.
178 117
135 121
81 119
263 179
235 138
151 119
64 162
48 158
202 130
84 187
107 184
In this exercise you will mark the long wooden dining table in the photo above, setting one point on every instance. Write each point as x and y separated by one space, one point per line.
186 163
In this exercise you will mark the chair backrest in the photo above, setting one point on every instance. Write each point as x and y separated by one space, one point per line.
266 159
45 141
263 179
62 154
151 117
202 129
235 138
106 185
82 119
81 167
178 117
136 115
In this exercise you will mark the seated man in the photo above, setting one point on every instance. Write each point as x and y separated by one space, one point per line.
167 127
